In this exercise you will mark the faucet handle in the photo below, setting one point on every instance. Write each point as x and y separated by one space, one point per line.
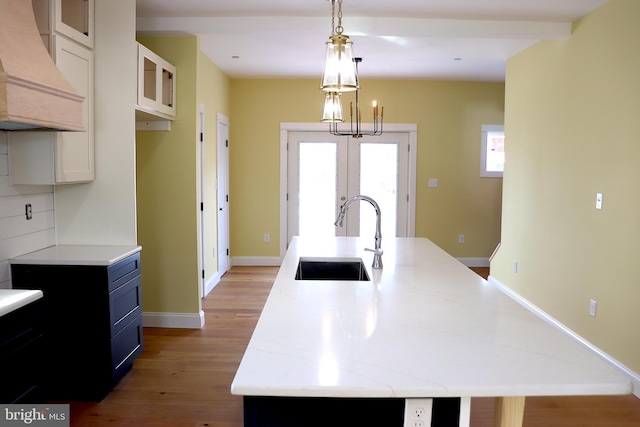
377 258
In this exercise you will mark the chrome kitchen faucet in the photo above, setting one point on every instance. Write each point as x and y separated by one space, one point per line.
377 251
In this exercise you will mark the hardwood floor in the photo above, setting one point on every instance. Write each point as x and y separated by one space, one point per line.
182 378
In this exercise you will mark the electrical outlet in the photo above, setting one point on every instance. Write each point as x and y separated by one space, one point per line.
460 238
593 307
598 200
433 182
417 412
267 238
515 266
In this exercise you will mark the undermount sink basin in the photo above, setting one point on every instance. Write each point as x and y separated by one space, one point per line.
331 268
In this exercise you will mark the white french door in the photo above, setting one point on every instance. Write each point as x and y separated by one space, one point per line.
325 170
317 177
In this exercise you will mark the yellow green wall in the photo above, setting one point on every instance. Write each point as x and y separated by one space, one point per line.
449 116
213 94
572 126
168 182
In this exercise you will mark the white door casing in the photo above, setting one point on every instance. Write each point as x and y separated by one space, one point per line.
348 172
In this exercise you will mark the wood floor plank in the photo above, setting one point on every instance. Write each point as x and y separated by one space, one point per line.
183 377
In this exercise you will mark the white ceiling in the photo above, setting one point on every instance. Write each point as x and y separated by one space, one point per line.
397 39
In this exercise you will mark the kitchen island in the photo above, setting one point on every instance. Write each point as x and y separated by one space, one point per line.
424 327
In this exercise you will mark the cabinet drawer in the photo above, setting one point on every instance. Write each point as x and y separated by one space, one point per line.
20 326
123 271
21 353
125 303
22 373
125 347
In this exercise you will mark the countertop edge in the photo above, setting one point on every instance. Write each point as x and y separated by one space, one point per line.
613 389
98 255
13 299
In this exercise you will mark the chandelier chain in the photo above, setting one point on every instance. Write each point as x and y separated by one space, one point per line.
336 30
339 29
333 17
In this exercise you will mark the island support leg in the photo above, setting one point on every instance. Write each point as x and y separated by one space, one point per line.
509 411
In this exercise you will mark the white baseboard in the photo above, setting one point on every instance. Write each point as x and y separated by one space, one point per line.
173 320
475 262
256 261
211 283
634 376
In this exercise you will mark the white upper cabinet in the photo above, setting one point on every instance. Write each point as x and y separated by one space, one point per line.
59 157
156 87
74 19
49 158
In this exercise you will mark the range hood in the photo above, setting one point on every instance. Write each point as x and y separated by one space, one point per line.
34 95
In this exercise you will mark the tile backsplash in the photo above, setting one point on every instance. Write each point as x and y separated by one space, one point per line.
19 235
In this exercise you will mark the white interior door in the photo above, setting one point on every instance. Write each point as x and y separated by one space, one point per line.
325 170
222 186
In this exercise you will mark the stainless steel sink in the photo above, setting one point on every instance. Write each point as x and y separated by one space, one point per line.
331 268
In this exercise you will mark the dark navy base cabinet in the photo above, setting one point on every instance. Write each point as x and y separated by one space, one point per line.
92 324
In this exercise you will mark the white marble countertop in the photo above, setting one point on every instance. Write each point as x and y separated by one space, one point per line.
13 299
425 326
99 255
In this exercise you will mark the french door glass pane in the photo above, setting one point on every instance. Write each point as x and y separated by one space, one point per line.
318 186
379 180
